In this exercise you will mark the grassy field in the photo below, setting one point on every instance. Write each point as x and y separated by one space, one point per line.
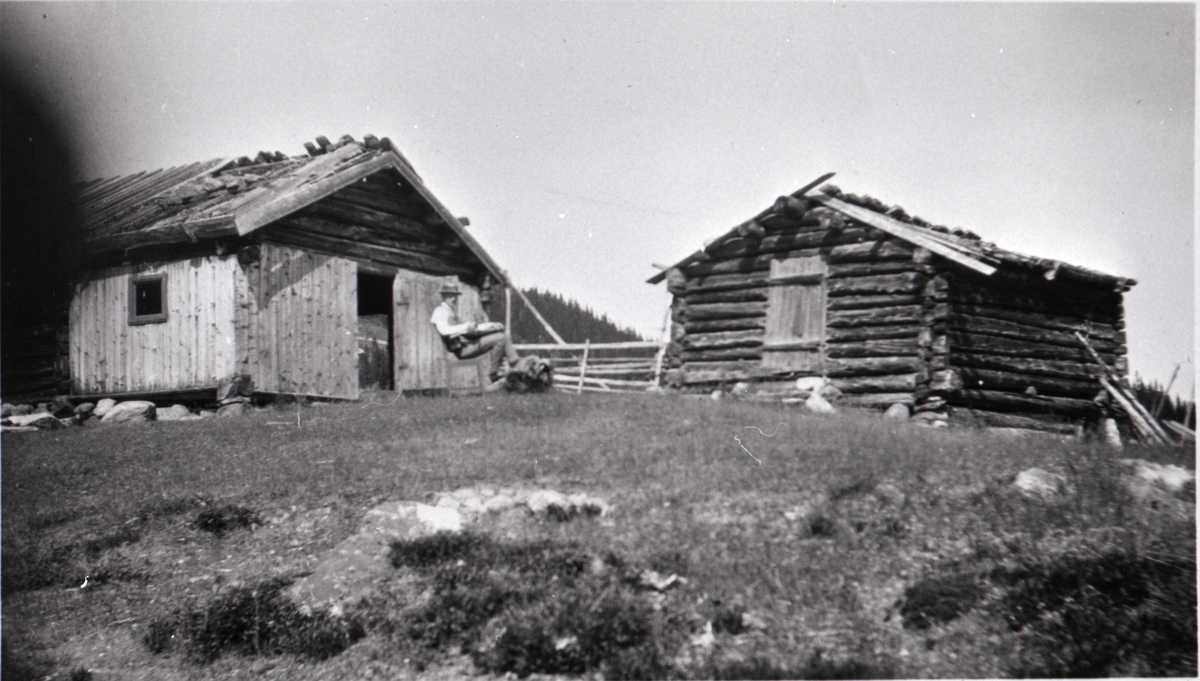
833 546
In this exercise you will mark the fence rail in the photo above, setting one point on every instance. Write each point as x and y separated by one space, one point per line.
633 366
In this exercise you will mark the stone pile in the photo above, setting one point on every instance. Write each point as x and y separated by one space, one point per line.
62 413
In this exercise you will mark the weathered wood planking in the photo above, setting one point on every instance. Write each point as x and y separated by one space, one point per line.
193 347
422 361
298 317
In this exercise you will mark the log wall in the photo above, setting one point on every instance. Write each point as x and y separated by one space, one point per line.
194 347
1011 342
875 307
901 324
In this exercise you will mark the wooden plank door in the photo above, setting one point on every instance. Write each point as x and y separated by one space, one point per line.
795 333
422 361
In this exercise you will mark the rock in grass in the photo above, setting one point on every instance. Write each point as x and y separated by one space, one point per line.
351 569
1169 477
40 420
232 409
103 406
889 495
1036 482
542 501
752 622
176 412
133 410
818 405
897 411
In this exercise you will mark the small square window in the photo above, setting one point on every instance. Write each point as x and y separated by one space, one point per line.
148 299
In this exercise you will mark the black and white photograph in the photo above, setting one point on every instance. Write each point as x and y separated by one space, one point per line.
597 339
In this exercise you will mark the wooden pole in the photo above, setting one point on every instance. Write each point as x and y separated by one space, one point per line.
1185 433
1125 397
662 351
1140 423
1162 399
545 324
508 313
587 343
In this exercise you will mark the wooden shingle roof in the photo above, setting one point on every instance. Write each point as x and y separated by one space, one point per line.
960 246
234 197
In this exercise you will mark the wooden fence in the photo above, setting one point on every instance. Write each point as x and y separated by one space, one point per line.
601 367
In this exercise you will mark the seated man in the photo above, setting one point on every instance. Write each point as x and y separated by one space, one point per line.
468 340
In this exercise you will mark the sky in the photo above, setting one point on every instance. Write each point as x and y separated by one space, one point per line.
587 141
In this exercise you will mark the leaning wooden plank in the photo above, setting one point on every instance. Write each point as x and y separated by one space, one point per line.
545 324
1130 398
1140 423
903 231
1185 433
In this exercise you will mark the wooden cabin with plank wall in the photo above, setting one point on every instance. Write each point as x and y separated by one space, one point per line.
893 310
313 275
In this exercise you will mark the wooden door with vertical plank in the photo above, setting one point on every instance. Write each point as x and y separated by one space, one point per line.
795 333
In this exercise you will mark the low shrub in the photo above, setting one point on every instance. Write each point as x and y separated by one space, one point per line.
225 518
939 600
1119 614
254 620
817 666
40 566
14 668
541 607
822 526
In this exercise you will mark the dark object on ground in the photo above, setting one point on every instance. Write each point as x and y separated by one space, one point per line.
222 519
822 526
530 374
938 600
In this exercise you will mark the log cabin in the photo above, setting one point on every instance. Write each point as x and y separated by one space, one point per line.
891 309
312 275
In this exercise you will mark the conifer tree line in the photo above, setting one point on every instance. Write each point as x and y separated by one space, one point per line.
1154 397
574 322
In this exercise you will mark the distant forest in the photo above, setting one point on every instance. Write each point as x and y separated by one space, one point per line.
571 320
1155 398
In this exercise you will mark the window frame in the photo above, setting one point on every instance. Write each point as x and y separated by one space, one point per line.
134 281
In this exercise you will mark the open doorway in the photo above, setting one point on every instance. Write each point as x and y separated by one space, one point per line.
376 346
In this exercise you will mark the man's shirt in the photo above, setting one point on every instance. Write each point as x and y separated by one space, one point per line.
446 321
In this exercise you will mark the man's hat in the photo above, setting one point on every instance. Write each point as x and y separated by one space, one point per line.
449 288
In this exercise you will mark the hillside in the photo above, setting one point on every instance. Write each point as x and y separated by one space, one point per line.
599 536
571 320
